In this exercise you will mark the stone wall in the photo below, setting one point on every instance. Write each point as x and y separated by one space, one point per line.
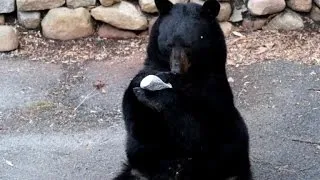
72 19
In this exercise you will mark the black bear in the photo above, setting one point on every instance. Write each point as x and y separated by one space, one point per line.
193 130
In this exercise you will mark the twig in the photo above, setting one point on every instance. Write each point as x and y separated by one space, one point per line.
308 168
314 89
306 141
316 108
84 99
243 89
98 86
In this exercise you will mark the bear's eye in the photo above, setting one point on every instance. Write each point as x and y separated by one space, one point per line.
201 37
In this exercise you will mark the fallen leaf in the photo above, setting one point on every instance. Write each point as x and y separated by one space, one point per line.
261 50
99 85
9 163
237 34
269 45
231 62
230 79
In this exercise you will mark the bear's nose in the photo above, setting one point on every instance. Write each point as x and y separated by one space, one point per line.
179 62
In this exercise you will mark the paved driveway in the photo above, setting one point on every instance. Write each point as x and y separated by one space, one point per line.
42 136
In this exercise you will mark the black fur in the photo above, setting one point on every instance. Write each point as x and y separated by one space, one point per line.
192 130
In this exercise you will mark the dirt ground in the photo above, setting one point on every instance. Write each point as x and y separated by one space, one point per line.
244 47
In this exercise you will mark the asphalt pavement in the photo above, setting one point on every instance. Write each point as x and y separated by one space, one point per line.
55 124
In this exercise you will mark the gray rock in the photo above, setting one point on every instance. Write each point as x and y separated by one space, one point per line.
315 13
123 15
8 39
35 5
151 23
300 5
225 11
29 19
317 2
179 1
110 32
254 24
264 7
226 27
197 1
287 20
80 3
237 13
148 6
108 2
2 19
65 24
7 6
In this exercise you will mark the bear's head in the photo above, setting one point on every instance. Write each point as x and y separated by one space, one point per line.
187 38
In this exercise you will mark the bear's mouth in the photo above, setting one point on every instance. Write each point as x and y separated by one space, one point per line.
179 62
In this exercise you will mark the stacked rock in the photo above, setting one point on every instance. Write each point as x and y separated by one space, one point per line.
121 19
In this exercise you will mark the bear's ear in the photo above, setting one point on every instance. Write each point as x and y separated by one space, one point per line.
163 6
210 9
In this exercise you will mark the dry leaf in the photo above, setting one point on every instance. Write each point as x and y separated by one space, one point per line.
99 85
237 34
9 163
261 50
230 80
313 73
269 45
231 62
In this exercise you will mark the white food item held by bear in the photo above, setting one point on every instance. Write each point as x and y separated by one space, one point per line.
154 83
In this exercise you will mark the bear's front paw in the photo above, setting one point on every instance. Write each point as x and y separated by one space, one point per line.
149 98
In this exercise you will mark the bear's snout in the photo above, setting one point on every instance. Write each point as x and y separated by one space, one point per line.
179 62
